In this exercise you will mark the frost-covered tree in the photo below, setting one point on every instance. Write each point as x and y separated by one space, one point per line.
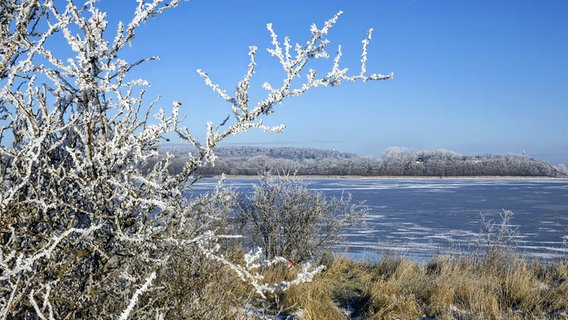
561 169
90 217
395 160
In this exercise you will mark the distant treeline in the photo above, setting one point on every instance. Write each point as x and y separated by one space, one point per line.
244 160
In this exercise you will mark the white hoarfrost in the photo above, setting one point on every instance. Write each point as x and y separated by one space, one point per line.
85 198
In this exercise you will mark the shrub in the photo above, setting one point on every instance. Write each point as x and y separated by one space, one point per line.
89 215
286 219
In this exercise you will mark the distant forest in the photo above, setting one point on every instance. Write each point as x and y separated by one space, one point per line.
246 160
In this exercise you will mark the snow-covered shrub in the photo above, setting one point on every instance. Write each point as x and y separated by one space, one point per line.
286 219
89 214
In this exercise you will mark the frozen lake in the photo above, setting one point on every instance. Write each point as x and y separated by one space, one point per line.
425 217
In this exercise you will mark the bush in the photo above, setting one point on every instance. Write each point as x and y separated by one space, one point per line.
286 219
90 217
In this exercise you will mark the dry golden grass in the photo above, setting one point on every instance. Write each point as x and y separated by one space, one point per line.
395 294
314 300
444 288
341 284
393 288
465 286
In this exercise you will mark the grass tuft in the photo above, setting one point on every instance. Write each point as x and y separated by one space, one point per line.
444 288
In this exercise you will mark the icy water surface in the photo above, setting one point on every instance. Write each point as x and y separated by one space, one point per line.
425 217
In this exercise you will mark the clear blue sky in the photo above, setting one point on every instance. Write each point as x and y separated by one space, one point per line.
474 77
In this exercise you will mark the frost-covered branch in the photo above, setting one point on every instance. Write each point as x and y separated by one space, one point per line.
136 295
88 207
253 262
247 116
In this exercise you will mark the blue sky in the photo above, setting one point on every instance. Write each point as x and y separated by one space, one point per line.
475 77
